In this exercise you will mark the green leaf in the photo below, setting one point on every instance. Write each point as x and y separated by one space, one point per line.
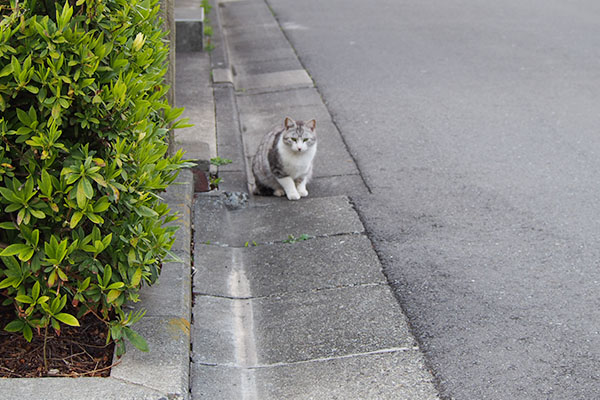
67 319
24 299
51 278
9 195
63 277
23 117
37 213
144 211
35 237
14 326
137 277
46 183
101 205
55 324
27 333
112 295
75 218
116 285
35 291
95 218
12 264
8 282
136 339
107 275
81 197
7 70
15 249
8 226
87 188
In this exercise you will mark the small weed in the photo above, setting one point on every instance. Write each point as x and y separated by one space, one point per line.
253 243
218 161
293 239
206 5
214 181
208 31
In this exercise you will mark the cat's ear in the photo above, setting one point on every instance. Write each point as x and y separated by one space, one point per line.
312 124
289 123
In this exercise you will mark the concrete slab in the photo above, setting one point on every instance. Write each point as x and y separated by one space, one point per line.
171 295
189 22
165 367
181 192
244 13
278 62
229 140
297 327
222 75
328 323
194 91
233 181
278 269
315 217
216 323
183 235
212 382
274 80
396 375
76 389
325 186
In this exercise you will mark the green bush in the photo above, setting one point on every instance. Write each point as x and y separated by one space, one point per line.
83 159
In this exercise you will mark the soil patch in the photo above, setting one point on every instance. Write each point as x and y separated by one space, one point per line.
78 351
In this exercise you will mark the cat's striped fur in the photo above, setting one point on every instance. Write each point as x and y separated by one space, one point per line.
283 161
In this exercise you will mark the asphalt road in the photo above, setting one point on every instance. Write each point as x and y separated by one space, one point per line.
476 125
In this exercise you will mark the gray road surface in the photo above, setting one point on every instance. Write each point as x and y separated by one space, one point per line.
476 125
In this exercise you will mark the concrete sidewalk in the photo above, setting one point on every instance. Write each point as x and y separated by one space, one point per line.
275 317
287 299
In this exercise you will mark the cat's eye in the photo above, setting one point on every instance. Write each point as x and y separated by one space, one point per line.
294 139
305 140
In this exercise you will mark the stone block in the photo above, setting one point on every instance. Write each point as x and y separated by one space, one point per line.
165 367
279 269
189 24
329 323
274 220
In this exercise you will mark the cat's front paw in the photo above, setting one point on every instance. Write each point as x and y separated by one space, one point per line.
278 192
303 192
293 196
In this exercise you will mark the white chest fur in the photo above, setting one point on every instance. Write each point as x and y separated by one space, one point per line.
296 164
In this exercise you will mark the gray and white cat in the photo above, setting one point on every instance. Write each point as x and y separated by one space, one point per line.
283 163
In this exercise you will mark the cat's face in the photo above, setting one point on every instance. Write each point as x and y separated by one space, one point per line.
298 135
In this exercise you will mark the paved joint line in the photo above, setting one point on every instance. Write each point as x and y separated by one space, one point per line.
313 360
281 294
136 384
272 89
346 356
282 241
333 176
